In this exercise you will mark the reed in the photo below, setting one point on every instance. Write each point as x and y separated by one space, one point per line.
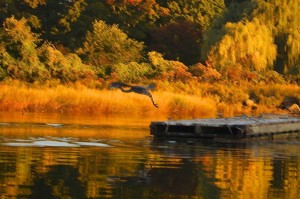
86 100
192 101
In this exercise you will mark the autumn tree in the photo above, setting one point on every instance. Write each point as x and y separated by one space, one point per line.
180 35
245 46
22 58
293 48
19 57
282 18
107 45
108 34
233 11
201 12
57 19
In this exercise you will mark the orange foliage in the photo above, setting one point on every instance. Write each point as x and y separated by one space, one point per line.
205 73
178 72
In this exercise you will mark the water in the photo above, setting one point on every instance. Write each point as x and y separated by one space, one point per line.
73 156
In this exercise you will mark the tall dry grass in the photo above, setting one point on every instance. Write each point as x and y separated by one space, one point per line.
85 100
191 100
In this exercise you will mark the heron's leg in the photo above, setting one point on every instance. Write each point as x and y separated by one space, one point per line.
154 104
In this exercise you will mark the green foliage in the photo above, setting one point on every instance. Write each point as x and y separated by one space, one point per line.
158 63
20 58
132 72
201 12
248 45
107 45
136 17
54 19
18 51
71 16
65 67
6 60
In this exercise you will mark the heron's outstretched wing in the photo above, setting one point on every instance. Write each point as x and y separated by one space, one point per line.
118 85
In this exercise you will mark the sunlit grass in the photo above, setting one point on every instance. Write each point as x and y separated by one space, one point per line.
87 100
175 101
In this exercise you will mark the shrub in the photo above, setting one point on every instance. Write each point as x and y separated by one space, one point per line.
168 70
131 72
66 67
107 45
205 73
18 51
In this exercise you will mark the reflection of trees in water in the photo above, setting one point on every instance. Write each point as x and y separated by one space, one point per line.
286 175
161 171
246 173
84 172
60 182
240 170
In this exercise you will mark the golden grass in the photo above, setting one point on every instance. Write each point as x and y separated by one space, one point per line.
193 101
107 102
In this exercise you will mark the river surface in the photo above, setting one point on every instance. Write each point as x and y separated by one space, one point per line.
74 156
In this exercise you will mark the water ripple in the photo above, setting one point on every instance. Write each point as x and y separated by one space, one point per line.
53 142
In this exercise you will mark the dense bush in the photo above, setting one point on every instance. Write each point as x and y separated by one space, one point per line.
205 73
19 55
131 72
67 68
21 58
107 45
168 70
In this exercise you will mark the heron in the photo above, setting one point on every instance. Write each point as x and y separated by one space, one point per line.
144 90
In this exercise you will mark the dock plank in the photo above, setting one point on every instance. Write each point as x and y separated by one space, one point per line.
235 127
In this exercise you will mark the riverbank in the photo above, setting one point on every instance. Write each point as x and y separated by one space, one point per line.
175 100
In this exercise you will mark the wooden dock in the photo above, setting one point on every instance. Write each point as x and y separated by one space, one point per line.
235 127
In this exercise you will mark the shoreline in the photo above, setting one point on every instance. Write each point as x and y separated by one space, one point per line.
84 100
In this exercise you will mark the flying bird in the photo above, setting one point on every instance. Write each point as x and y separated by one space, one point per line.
126 88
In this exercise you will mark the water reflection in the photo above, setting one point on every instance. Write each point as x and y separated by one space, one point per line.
136 166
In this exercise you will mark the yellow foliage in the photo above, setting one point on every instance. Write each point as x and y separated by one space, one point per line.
248 44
